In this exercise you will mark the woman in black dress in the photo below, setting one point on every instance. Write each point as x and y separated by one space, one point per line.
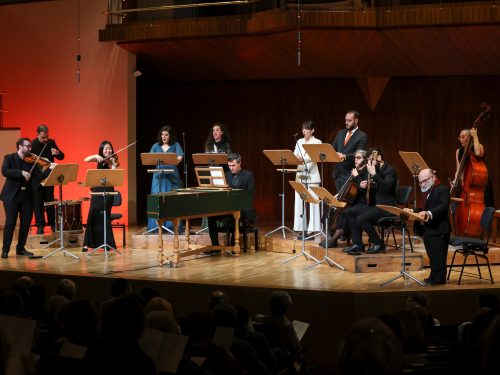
94 232
218 140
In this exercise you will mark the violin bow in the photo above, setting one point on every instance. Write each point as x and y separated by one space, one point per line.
120 150
37 158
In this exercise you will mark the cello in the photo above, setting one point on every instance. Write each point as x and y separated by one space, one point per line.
469 186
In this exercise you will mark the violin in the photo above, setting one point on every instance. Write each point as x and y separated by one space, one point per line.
113 162
35 159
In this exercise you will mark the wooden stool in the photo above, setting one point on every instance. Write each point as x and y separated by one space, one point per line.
495 226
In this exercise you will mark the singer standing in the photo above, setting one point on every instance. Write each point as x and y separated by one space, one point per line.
164 182
45 193
218 140
308 175
346 142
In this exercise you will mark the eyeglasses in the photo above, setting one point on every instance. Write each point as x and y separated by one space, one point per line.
424 180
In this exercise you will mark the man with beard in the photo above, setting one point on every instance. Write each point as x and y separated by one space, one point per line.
382 190
346 142
437 229
17 195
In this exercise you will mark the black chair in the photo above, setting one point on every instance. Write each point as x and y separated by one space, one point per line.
117 201
476 247
389 224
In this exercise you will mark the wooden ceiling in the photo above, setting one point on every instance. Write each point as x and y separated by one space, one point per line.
359 44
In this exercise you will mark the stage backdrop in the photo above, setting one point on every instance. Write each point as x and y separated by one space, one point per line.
38 71
423 114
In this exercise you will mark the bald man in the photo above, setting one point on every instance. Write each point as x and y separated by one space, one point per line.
437 229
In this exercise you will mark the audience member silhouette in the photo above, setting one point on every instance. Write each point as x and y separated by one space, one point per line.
225 316
66 288
370 347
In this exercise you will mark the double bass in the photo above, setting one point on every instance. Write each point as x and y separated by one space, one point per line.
469 186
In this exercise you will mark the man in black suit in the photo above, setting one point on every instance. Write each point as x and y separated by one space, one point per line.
17 195
437 229
45 193
383 186
346 142
237 178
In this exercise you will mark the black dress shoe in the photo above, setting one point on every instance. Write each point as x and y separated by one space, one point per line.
427 280
299 237
24 252
347 249
5 255
375 249
39 230
85 249
355 250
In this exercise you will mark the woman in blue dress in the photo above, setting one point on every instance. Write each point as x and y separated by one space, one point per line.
164 182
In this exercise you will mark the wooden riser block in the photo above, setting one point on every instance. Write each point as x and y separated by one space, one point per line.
150 241
40 240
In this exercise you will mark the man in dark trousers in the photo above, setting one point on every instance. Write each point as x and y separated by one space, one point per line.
17 195
383 185
237 178
45 193
346 142
437 229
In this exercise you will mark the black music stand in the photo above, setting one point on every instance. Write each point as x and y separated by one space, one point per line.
212 159
322 153
405 216
415 164
104 178
306 196
60 175
158 159
330 200
282 158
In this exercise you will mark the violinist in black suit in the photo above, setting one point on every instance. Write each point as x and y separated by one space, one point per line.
346 142
47 148
17 195
237 178
437 229
382 187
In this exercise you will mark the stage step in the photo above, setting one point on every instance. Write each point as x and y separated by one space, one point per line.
389 262
277 244
150 241
37 241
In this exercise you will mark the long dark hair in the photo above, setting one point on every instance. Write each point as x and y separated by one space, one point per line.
171 133
101 147
224 137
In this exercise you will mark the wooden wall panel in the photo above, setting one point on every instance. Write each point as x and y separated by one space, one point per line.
413 114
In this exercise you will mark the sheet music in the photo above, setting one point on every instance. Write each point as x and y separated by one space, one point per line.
300 328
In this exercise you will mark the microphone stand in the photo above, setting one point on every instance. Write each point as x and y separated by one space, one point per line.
308 177
184 160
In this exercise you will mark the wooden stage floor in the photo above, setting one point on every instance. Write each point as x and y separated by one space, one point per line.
328 298
261 269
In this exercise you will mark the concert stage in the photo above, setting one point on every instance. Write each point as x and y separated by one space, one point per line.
326 297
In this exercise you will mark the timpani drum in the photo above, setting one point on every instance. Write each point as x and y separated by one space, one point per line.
72 213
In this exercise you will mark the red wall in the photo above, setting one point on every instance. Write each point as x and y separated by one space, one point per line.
38 48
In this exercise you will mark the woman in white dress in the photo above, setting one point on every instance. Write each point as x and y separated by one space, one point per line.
307 174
